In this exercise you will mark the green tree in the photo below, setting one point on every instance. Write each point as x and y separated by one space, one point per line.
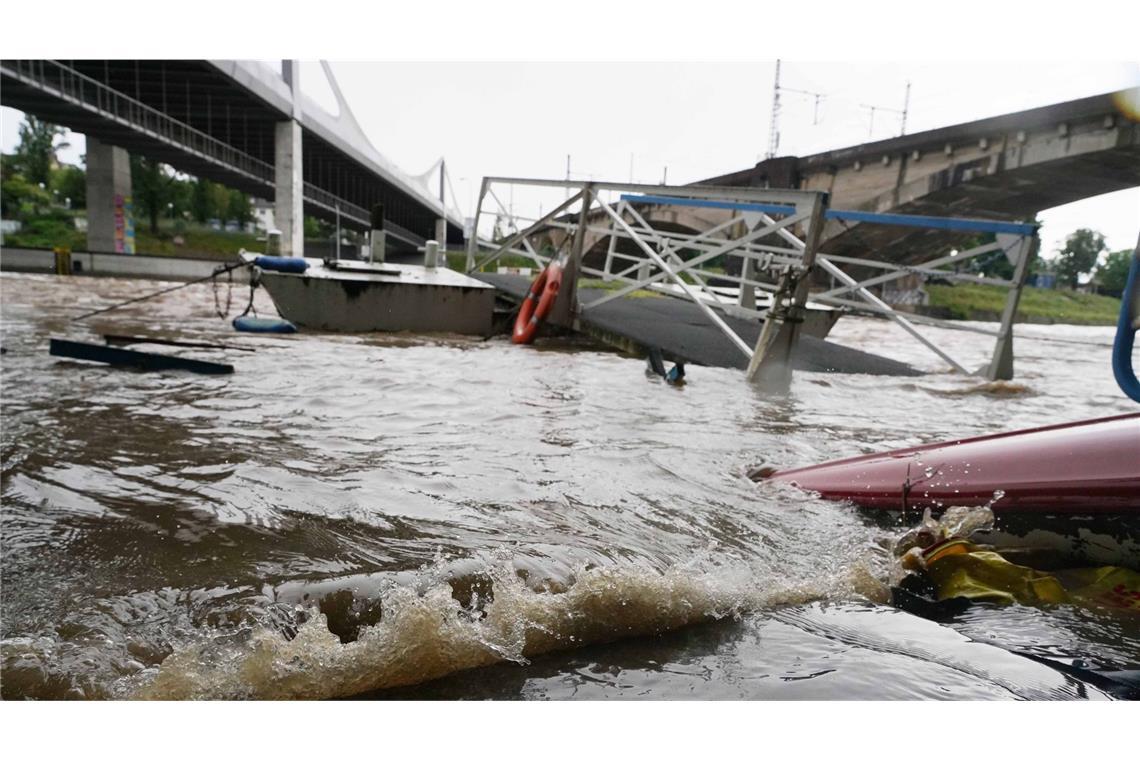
36 152
238 207
18 197
151 187
201 201
71 182
182 192
219 200
1113 273
312 228
1079 255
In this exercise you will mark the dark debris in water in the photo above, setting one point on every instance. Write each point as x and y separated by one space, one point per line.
347 616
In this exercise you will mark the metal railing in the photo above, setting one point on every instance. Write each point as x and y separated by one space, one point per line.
773 273
769 362
78 89
334 204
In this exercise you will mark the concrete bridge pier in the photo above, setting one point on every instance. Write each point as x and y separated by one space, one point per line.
288 209
110 216
441 234
288 213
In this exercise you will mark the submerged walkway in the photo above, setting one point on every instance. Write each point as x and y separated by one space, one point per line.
683 333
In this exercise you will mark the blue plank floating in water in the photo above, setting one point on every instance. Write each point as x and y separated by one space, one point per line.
123 358
263 325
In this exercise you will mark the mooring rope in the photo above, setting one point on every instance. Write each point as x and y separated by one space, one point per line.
220 270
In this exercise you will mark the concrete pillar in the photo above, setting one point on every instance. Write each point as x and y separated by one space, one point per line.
377 241
288 211
441 233
110 212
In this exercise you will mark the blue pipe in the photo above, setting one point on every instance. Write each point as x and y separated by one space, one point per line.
1125 335
902 220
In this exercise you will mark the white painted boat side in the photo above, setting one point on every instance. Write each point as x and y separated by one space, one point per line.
387 298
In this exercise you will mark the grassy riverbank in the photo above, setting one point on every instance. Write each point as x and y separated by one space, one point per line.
197 242
985 303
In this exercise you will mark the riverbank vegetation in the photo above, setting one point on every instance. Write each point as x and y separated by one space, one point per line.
1041 305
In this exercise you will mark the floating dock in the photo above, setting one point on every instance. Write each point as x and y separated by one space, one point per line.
683 333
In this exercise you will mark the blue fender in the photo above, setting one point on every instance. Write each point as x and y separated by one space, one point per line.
291 264
1126 328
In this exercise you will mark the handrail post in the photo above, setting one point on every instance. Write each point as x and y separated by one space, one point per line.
565 309
771 364
1001 364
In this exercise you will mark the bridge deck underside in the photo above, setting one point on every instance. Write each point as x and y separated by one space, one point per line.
222 112
90 122
1015 194
683 333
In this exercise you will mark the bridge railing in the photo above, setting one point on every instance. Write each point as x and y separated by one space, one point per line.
773 261
1015 240
664 268
68 84
358 215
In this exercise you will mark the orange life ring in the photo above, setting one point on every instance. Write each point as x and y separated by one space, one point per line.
538 303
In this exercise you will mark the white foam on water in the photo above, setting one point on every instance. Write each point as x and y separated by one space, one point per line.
424 635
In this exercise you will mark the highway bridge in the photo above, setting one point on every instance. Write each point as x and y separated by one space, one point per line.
244 124
1006 168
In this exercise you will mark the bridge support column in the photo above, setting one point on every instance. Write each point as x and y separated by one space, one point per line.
377 240
110 217
288 211
441 234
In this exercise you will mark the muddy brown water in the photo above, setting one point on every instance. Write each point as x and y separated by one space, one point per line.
444 517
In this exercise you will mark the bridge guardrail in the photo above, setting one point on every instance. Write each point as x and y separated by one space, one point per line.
70 85
79 89
749 235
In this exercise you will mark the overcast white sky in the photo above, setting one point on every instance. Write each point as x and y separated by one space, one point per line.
697 119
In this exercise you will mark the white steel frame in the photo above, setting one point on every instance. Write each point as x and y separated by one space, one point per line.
788 264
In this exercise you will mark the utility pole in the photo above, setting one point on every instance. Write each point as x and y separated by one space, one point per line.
906 107
819 96
905 110
774 126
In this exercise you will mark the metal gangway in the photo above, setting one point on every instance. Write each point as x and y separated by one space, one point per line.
775 235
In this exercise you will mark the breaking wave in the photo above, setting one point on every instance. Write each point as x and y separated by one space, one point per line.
424 635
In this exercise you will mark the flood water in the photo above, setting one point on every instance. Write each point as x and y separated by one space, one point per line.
445 517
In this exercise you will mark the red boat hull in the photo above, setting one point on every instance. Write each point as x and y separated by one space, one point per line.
1080 468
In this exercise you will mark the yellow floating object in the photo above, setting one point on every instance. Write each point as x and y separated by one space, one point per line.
1116 587
958 569
987 576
